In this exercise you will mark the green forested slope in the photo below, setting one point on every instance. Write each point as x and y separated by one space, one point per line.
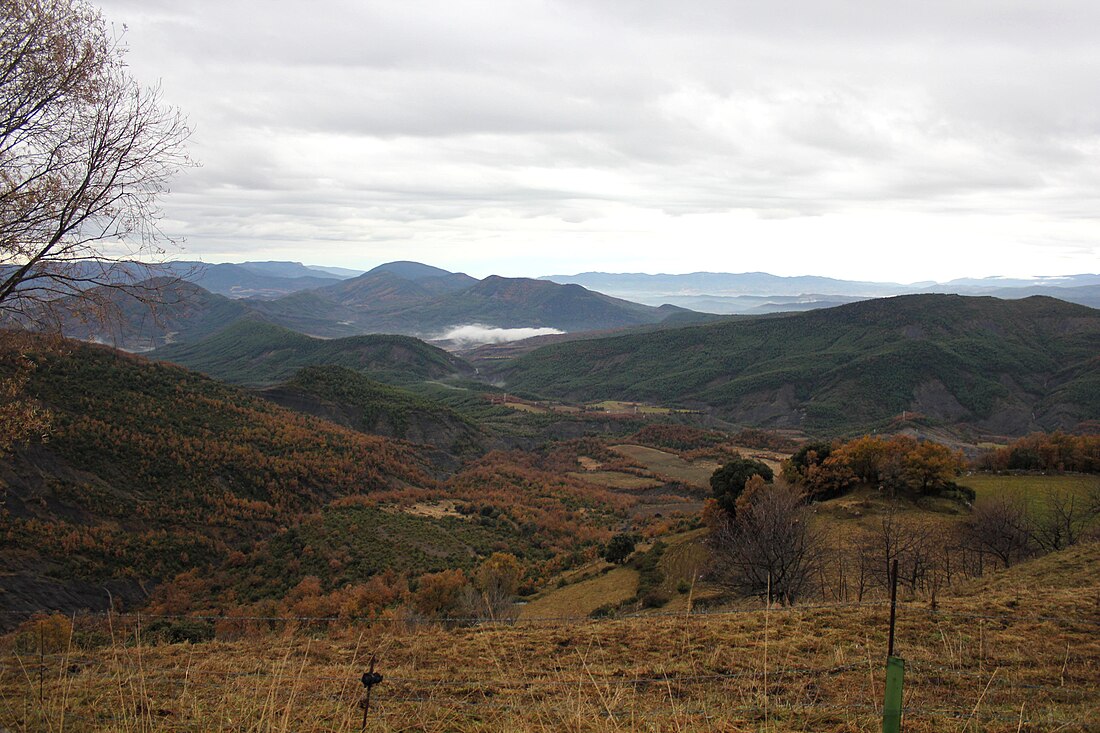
254 353
349 398
1009 366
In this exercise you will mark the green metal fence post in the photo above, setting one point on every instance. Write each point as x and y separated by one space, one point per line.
895 666
891 706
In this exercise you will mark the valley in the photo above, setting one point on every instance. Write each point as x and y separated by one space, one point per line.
335 498
299 434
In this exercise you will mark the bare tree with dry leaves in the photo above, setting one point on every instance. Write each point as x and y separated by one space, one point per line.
771 547
85 154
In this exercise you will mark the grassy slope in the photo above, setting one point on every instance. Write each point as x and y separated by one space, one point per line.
580 599
1029 486
1013 653
846 368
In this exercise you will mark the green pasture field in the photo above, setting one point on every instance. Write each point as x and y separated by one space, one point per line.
1029 487
620 406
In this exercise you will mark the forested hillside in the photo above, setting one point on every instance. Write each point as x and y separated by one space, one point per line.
347 397
149 469
257 354
1000 366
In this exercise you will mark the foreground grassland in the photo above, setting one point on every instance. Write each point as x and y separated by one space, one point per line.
1013 652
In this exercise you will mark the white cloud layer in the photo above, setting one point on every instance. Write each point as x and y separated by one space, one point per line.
866 140
477 333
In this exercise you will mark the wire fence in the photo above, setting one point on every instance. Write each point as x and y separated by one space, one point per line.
517 620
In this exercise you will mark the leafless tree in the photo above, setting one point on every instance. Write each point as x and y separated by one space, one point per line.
1061 519
912 541
770 544
999 527
85 153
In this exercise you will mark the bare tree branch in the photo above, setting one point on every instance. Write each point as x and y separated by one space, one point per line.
85 154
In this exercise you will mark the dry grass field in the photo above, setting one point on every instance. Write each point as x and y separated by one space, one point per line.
616 480
632 408
670 465
1018 651
580 599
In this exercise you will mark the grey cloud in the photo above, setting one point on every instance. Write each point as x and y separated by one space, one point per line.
313 119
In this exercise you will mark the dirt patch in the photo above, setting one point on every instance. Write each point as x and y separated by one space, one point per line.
435 509
773 459
933 398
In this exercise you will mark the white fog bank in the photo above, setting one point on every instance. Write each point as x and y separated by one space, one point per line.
477 333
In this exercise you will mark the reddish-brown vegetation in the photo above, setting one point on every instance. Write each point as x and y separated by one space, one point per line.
1046 452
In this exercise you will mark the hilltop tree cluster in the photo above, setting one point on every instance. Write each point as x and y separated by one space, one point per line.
898 465
729 482
766 542
763 542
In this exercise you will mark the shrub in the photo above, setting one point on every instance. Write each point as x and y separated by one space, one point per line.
620 548
177 631
607 610
728 482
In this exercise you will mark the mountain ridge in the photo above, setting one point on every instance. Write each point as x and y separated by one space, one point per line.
255 353
958 359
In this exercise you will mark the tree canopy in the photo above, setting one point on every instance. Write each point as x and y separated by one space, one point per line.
729 481
85 154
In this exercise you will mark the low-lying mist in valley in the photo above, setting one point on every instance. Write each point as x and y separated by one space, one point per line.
472 334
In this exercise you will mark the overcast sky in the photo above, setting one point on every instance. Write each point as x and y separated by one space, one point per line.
882 140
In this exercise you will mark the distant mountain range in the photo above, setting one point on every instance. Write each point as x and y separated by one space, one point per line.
405 298
709 292
415 299
760 292
457 310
